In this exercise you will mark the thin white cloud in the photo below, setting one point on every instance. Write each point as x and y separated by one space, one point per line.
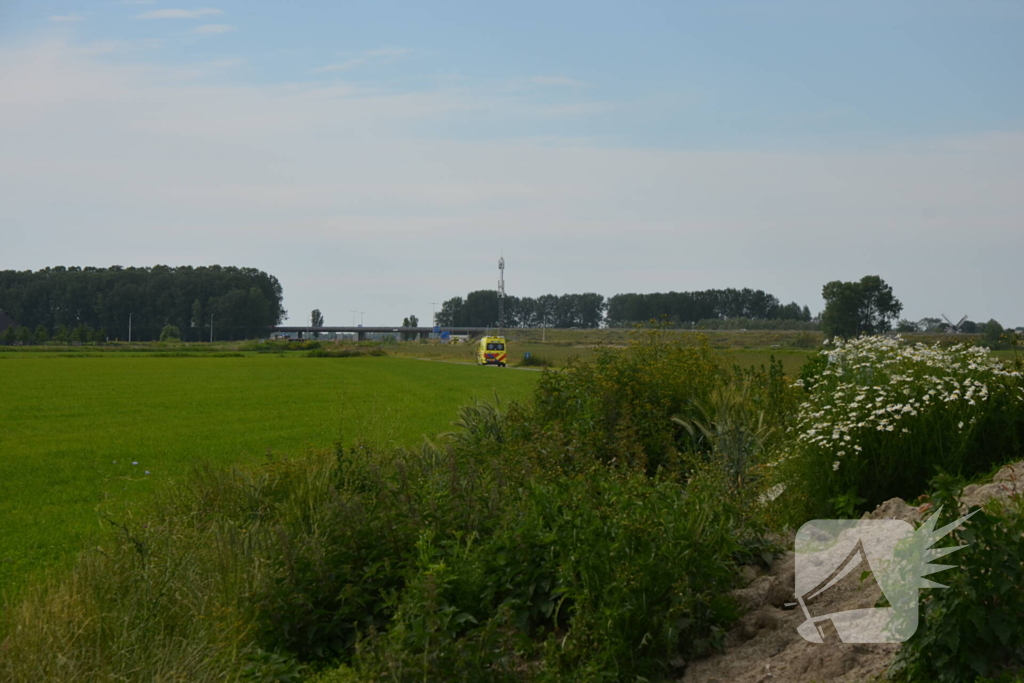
104 47
389 52
212 29
66 17
202 69
556 80
179 13
342 66
380 55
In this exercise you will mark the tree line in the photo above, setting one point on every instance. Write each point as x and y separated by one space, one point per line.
480 309
702 306
239 302
590 310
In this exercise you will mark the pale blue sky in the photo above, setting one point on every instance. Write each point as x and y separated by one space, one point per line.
379 156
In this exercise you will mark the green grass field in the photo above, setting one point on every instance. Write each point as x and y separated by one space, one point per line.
74 424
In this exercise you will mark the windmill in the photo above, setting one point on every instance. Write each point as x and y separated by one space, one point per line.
954 329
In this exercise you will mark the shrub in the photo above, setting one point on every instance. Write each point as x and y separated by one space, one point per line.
805 340
81 333
277 346
582 576
992 335
882 417
534 361
170 333
617 405
972 628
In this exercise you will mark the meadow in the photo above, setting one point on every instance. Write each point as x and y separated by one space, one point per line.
86 435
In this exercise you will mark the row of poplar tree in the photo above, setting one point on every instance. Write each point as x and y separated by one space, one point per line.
239 303
590 310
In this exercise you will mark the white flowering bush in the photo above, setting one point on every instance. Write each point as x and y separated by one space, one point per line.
882 417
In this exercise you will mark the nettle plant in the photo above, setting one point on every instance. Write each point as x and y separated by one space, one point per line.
882 417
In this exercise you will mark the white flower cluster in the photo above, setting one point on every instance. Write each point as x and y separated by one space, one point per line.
881 384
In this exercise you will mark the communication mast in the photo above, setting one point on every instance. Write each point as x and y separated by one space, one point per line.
501 294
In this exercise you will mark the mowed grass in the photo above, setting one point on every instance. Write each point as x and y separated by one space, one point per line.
73 426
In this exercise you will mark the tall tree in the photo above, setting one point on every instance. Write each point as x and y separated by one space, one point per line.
853 308
992 334
316 319
411 321
451 313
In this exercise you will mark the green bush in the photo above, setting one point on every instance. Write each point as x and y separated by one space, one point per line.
992 335
805 340
881 418
170 333
618 405
277 346
580 576
534 361
972 628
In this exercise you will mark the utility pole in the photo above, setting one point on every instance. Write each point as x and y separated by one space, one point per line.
544 326
501 295
354 318
433 314
361 313
211 328
129 328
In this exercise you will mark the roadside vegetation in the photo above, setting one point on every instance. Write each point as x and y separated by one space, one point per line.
590 531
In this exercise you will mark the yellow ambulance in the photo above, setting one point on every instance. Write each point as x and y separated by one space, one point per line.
491 351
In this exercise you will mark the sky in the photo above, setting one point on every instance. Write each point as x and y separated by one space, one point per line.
380 156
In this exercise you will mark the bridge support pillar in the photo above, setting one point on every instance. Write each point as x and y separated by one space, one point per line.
361 336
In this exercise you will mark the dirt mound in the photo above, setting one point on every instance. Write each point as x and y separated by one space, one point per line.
764 644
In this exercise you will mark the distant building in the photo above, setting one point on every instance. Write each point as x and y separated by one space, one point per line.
6 321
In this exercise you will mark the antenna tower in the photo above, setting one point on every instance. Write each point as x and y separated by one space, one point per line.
501 294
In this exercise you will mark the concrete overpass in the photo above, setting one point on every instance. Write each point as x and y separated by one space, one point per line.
420 332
